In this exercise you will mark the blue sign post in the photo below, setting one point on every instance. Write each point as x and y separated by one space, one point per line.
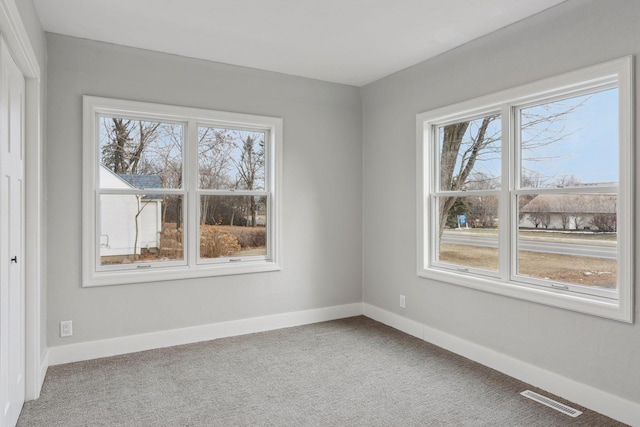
462 220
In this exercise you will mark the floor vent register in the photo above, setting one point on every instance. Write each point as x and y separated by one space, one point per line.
551 403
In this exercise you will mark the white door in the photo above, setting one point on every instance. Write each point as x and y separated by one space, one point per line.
12 295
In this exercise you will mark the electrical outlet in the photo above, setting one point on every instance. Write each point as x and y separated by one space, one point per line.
402 301
66 328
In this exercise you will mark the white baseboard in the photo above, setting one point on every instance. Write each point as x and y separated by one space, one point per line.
44 365
32 393
590 397
133 343
600 401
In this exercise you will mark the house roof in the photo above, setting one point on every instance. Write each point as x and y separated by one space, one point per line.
572 204
141 181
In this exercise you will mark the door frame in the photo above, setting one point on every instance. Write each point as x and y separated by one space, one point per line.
19 44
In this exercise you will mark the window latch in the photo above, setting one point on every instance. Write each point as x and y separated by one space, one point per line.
144 266
563 287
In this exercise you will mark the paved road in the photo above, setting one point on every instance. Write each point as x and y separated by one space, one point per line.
547 246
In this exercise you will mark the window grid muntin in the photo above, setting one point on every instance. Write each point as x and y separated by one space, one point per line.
432 134
269 140
434 145
556 96
522 278
134 266
268 227
269 183
518 189
435 260
511 155
100 113
620 73
96 106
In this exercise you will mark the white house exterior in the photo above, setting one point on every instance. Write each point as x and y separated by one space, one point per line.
567 211
118 219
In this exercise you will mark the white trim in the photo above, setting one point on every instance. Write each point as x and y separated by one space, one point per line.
43 369
152 340
582 394
17 39
34 239
618 72
93 274
401 323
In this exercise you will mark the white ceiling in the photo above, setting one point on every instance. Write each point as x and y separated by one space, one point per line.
345 41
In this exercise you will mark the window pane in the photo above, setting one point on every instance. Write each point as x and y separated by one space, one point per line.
569 238
230 159
470 154
570 142
140 228
233 226
139 153
469 231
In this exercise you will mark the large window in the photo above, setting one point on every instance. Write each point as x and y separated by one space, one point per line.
174 192
528 192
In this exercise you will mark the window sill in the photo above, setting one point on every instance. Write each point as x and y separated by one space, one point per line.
608 308
159 274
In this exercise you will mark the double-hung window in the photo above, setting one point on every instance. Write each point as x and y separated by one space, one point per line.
173 192
528 192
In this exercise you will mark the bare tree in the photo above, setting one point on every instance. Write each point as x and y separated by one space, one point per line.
539 214
214 157
462 145
465 144
483 210
125 142
250 169
533 179
565 220
133 148
214 161
578 221
567 181
530 179
140 207
605 222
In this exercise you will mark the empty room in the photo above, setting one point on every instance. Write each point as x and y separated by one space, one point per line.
291 213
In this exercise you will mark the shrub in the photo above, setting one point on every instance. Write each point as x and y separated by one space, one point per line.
604 222
170 242
215 243
251 237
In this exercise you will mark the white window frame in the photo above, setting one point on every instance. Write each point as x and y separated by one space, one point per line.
613 305
93 274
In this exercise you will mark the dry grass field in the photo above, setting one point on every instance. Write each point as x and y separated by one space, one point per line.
587 271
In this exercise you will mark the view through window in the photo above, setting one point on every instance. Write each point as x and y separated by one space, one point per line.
178 188
532 188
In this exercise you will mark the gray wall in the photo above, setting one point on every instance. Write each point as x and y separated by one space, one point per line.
322 209
322 205
602 353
